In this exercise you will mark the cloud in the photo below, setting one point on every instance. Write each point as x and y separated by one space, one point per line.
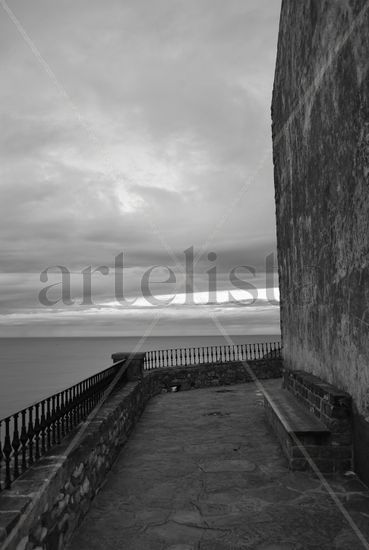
176 320
154 146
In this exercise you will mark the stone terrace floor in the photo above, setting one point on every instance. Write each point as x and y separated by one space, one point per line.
202 470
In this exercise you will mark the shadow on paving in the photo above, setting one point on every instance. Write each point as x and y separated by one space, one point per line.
202 470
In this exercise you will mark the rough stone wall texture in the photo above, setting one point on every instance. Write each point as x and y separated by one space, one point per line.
333 408
217 374
320 114
326 402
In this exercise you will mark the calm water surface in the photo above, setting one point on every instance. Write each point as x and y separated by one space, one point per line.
34 368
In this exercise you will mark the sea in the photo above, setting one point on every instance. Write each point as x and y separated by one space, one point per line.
34 368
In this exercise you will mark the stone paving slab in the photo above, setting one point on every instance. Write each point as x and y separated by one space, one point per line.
203 471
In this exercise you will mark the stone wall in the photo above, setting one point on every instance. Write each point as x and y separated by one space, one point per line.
320 114
46 504
220 374
333 408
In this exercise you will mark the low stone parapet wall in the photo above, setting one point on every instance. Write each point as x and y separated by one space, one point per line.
46 504
333 408
217 374
331 405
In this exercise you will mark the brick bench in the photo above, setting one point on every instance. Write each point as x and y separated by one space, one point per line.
316 415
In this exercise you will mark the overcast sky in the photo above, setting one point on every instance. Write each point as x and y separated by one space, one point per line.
140 127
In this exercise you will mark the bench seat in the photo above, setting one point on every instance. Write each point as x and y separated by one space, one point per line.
299 430
294 417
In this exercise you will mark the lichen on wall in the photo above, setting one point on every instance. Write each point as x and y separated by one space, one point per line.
320 115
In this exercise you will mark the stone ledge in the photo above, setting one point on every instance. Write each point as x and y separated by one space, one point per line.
331 405
324 403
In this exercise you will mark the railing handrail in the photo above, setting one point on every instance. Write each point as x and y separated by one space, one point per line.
216 346
32 431
210 354
84 380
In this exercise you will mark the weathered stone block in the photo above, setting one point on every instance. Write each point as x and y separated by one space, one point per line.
325 465
312 451
78 471
298 464
341 439
22 545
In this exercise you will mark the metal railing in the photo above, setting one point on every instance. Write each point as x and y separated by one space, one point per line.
182 357
27 435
